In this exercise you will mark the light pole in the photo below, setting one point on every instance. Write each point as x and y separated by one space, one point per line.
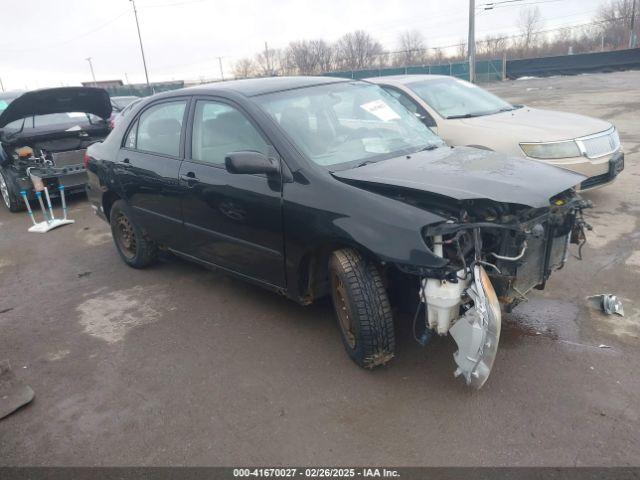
632 35
144 61
221 71
471 43
93 75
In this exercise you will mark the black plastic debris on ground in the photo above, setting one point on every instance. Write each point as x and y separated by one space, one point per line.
13 393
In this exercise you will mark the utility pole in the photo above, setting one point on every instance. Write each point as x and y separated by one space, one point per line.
93 75
144 61
221 71
471 44
1 84
266 58
632 35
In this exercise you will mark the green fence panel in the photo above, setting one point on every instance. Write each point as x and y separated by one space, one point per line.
143 90
486 71
460 70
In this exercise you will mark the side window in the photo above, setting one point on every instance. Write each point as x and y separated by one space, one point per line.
159 127
403 99
219 129
412 106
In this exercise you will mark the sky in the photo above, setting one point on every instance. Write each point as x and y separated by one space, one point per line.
45 43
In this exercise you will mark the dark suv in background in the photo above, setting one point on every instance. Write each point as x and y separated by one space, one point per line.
49 130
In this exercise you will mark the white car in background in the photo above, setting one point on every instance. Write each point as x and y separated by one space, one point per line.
462 113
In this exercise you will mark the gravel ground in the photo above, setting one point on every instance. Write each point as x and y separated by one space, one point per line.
176 365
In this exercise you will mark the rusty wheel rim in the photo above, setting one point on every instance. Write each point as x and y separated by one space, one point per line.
343 312
125 236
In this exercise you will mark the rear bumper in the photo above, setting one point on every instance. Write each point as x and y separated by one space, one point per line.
73 177
94 195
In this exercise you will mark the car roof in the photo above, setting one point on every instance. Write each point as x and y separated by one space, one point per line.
258 86
406 79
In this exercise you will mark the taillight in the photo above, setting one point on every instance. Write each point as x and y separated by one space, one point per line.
112 124
85 160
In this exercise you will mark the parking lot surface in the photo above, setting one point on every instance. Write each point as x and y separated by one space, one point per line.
177 365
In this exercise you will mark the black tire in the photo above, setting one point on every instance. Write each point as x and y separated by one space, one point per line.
8 195
358 292
134 247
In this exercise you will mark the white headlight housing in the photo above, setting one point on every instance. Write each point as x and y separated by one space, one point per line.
548 151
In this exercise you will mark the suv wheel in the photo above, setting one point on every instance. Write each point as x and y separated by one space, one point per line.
134 247
9 198
362 307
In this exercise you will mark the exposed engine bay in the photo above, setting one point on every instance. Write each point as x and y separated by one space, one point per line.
57 161
46 133
496 254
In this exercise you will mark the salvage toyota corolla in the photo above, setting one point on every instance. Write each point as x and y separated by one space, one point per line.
318 186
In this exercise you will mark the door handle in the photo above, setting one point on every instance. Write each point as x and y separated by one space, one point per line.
189 178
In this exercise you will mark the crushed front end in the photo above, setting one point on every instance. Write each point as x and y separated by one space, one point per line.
496 254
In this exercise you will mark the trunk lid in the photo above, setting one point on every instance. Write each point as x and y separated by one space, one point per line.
58 100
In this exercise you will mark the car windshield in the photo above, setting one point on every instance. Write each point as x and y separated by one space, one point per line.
454 98
348 122
4 103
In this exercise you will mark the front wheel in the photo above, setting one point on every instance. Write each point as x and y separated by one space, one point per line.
362 307
134 247
7 191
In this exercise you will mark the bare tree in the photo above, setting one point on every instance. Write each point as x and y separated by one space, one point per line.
530 24
412 49
244 68
308 57
268 62
491 46
357 50
614 18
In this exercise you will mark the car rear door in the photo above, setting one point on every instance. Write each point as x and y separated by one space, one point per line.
233 221
148 166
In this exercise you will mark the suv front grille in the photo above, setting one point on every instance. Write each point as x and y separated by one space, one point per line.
600 144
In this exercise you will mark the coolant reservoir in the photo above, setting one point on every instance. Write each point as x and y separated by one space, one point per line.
443 300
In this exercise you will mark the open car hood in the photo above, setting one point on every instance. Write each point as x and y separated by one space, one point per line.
58 100
465 173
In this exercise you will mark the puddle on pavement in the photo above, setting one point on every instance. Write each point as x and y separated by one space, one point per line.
554 319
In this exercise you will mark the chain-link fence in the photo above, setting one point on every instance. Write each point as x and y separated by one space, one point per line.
486 71
143 90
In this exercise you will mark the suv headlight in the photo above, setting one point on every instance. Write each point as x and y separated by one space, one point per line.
546 151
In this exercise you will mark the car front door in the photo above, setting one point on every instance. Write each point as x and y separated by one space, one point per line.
148 166
233 221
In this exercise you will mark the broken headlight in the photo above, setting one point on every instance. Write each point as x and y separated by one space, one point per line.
548 151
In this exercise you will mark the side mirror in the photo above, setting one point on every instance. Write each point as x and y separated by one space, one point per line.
250 162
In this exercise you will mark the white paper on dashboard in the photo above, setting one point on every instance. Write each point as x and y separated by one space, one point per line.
381 110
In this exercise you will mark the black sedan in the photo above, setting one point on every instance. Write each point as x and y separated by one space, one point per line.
323 186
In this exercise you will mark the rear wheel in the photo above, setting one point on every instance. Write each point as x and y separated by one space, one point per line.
10 197
134 247
362 308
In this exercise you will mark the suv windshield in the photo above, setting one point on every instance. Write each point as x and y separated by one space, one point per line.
454 98
4 103
348 122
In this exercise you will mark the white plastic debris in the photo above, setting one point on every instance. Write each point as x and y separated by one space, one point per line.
608 303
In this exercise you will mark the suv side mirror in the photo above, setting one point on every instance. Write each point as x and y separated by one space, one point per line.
250 162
